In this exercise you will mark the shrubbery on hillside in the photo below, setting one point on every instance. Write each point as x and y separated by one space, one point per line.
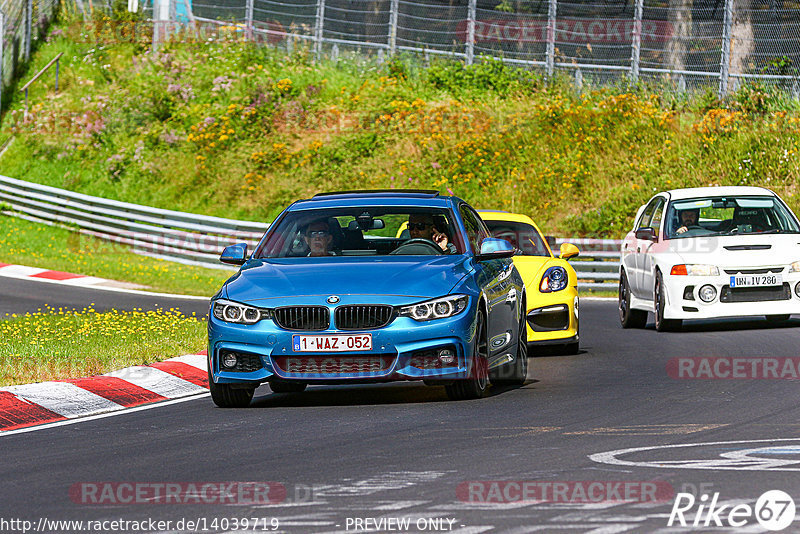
237 130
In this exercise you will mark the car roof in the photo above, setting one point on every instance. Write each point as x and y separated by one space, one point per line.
497 215
731 190
382 197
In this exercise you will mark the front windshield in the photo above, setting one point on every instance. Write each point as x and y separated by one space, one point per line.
522 236
732 215
362 231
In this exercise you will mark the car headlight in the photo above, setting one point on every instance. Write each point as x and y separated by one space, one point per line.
694 270
436 308
554 279
234 312
795 267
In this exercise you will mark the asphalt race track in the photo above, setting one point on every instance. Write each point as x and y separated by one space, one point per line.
367 458
23 296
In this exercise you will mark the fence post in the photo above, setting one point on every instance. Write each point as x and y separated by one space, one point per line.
320 25
394 8
162 15
2 54
471 16
249 20
725 62
636 45
551 38
28 20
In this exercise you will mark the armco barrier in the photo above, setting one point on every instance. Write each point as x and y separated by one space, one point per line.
199 239
171 235
597 266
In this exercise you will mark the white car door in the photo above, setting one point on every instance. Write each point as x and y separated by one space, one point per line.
635 274
647 276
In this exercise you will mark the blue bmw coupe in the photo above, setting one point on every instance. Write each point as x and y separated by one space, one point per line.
369 286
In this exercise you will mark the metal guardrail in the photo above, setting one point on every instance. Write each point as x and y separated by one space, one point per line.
199 239
597 266
171 235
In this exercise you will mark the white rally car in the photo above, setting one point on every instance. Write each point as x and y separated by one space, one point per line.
710 252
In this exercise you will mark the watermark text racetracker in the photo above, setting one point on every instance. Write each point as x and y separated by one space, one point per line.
196 524
581 491
149 493
733 368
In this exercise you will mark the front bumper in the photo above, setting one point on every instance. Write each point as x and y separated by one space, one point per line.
403 350
552 318
683 298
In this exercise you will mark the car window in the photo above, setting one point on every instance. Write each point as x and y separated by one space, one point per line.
522 236
655 222
731 215
476 231
647 215
353 231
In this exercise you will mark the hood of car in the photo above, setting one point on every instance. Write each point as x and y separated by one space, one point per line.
261 281
738 251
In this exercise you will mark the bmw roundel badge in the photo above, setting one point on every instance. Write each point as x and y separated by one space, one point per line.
333 299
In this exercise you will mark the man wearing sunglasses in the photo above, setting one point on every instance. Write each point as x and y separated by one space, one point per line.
421 226
318 238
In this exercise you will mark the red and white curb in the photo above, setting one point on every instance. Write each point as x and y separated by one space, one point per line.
21 271
49 402
81 280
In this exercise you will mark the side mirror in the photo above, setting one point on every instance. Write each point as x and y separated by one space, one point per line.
493 249
646 233
568 250
234 254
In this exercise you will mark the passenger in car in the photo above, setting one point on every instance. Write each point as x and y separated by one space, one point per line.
422 226
318 238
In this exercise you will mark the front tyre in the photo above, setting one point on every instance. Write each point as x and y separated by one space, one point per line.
628 317
476 385
663 325
225 396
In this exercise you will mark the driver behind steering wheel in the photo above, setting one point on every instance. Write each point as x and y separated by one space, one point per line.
421 226
688 219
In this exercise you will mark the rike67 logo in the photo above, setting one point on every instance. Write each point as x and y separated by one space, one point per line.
774 510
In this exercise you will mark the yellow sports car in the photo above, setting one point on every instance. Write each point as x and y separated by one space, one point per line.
551 284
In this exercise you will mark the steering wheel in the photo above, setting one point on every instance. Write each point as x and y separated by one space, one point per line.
427 247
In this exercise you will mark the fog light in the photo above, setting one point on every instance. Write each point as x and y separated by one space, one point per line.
229 359
797 289
447 356
707 293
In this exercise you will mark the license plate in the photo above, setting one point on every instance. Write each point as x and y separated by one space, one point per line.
756 280
332 343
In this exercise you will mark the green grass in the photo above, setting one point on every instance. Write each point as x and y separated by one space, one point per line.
39 245
235 130
55 344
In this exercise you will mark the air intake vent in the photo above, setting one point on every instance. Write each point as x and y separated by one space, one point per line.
363 317
302 317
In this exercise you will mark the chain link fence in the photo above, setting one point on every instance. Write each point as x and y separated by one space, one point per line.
22 23
686 44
